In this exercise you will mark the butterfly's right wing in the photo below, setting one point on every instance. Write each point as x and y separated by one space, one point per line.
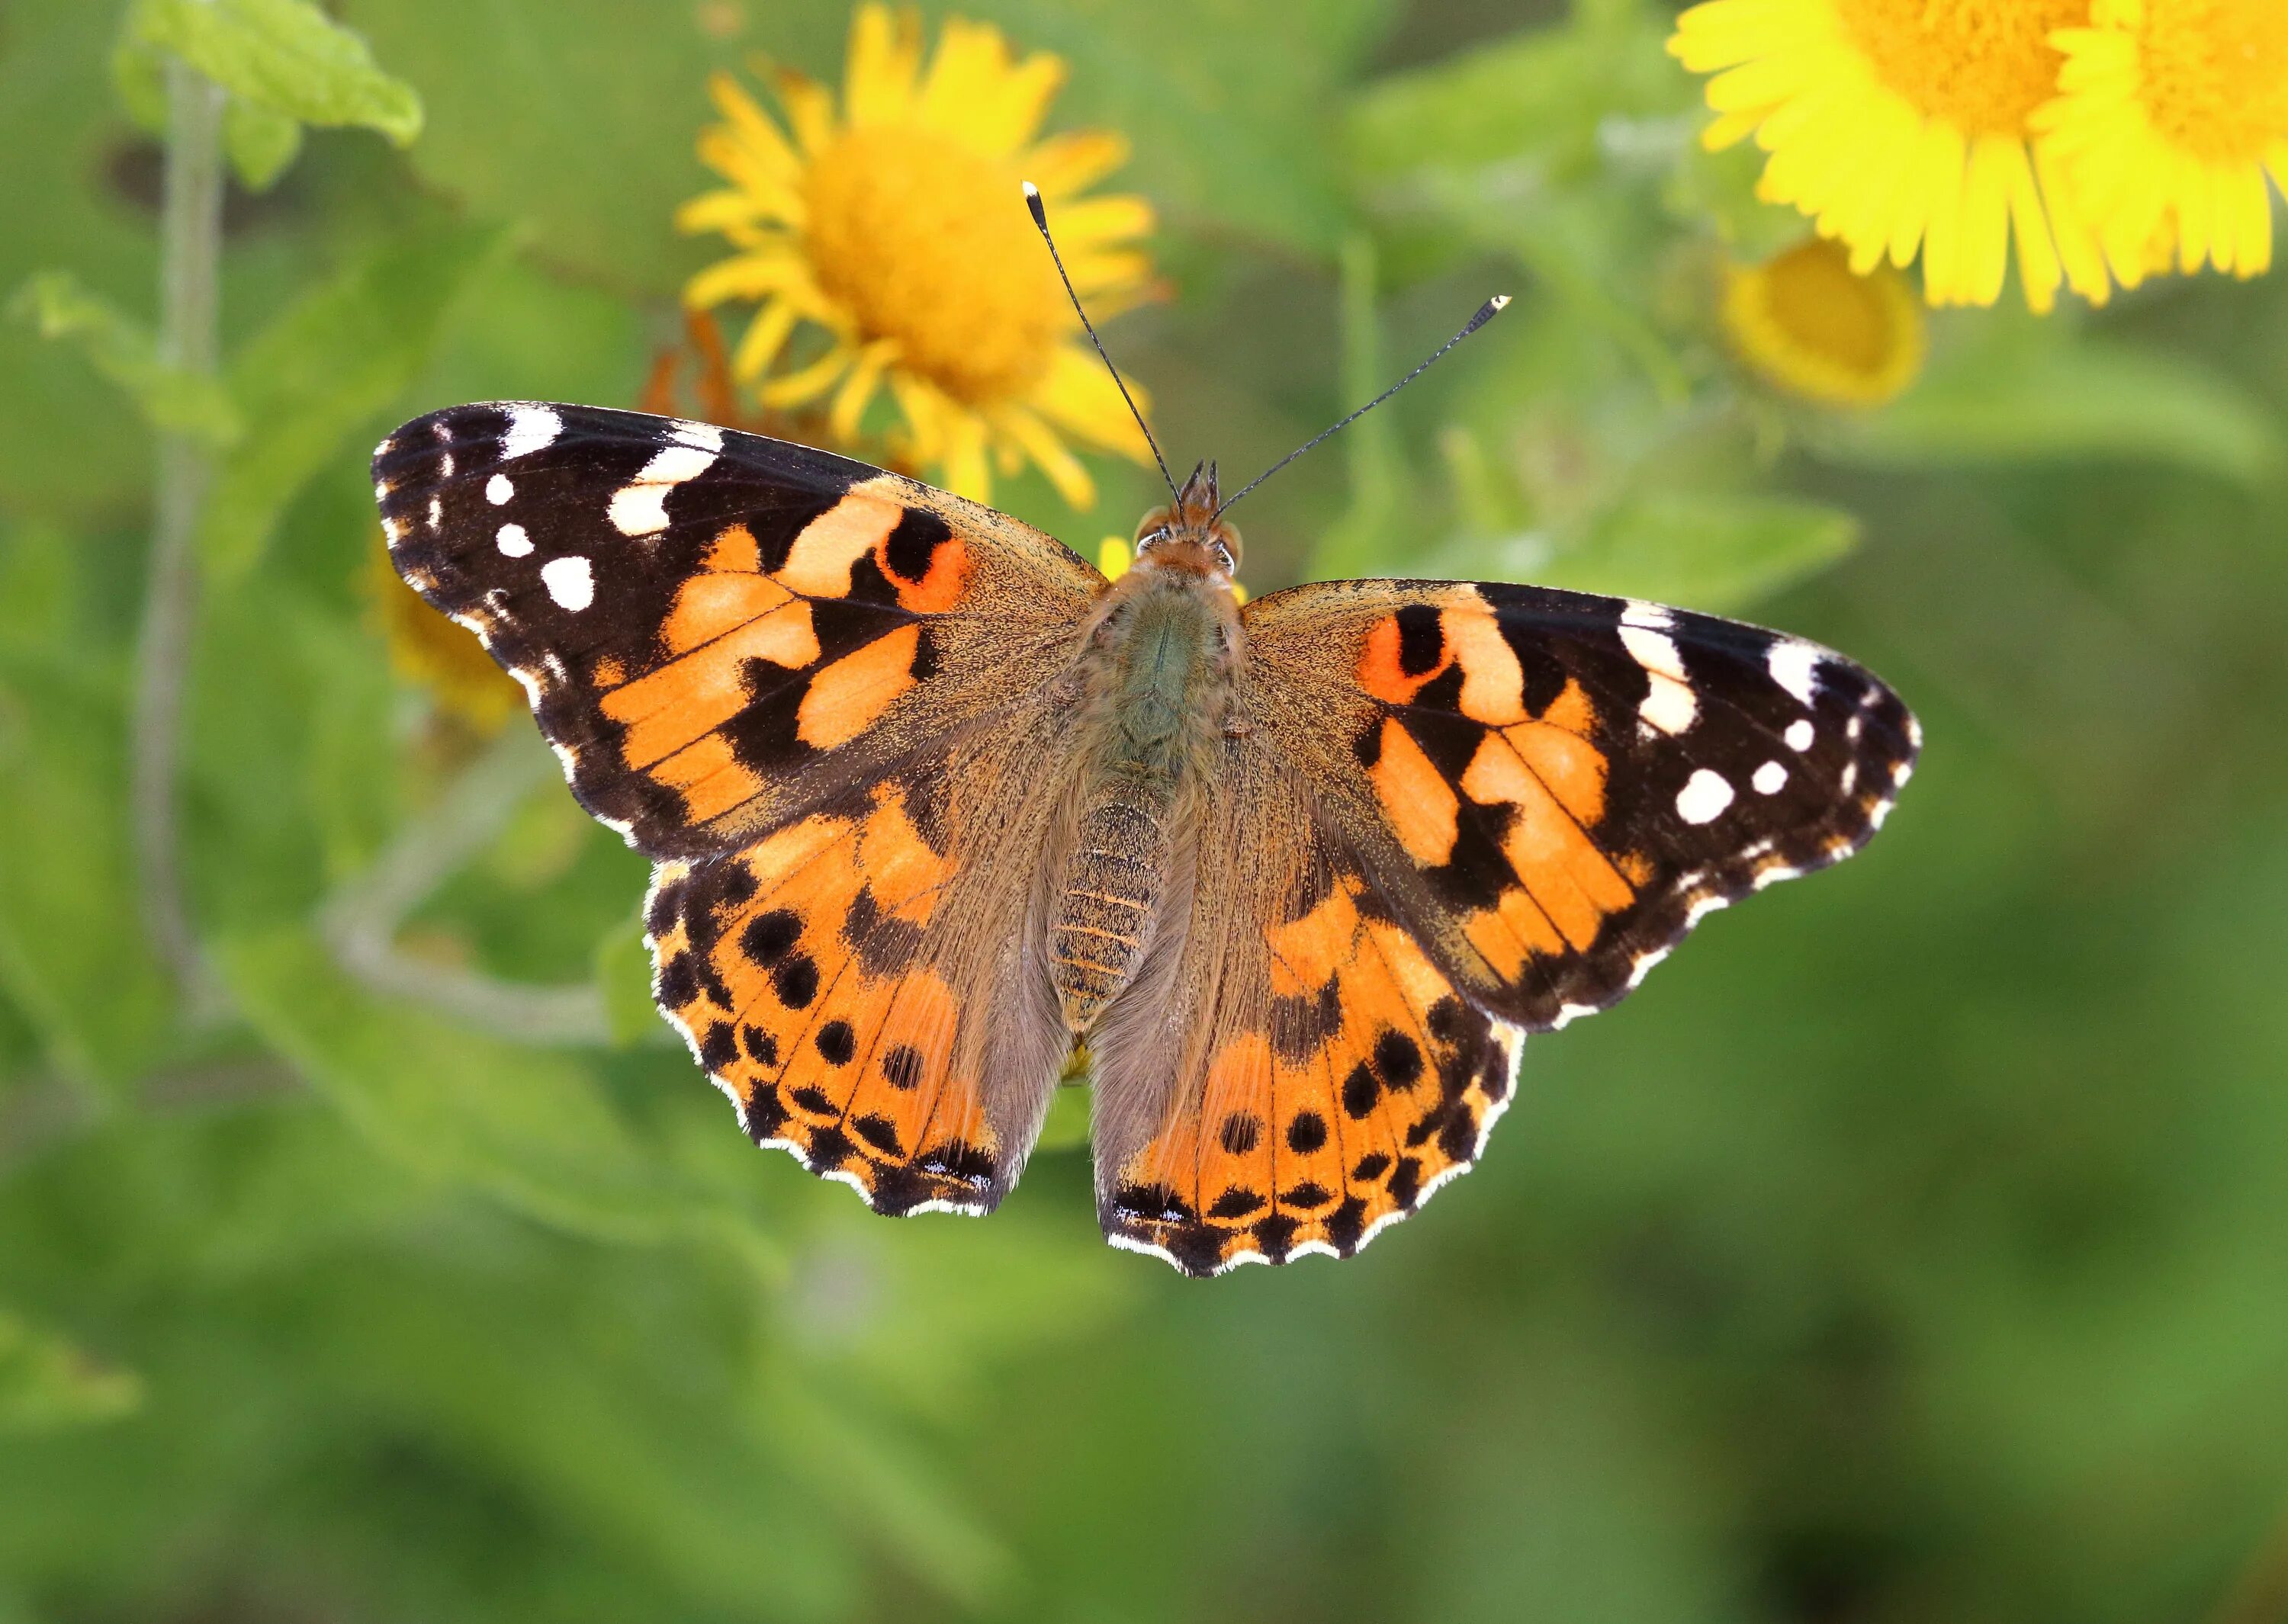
720 633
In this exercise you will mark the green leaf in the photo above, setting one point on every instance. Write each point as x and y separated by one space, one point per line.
325 366
1066 1127
47 1383
72 953
1237 127
623 977
1541 93
57 306
261 143
2022 392
532 1129
1713 551
71 446
138 74
286 56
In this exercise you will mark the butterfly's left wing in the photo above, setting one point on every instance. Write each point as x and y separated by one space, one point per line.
1450 814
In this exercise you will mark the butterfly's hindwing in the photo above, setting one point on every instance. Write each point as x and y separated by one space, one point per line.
717 631
1299 1073
1553 788
863 983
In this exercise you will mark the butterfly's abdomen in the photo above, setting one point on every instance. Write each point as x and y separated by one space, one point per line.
1112 888
1159 676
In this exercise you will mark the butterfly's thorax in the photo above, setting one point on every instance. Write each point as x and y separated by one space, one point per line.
1154 682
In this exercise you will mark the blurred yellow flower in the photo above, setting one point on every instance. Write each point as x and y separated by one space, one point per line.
2170 115
1807 323
1902 126
430 652
898 226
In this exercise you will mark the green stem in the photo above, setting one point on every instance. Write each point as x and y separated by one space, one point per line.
360 922
1362 534
190 260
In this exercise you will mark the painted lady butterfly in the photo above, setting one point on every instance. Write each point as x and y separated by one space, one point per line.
932 802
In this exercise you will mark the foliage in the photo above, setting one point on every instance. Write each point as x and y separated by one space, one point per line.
1909 1247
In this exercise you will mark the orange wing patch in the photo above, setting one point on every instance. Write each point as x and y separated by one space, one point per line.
847 697
791 968
1370 1083
1532 785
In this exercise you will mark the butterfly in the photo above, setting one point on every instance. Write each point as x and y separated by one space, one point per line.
938 810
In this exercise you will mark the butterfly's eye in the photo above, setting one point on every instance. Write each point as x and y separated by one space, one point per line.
1226 539
1153 528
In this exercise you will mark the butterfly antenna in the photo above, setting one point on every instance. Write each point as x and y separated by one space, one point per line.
1041 219
1487 312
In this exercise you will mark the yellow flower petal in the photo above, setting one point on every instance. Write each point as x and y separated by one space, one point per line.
884 60
810 109
766 336
1075 161
892 222
748 276
800 388
1079 395
858 387
1040 443
1902 128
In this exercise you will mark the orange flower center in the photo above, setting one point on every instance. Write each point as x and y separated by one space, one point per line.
1979 64
2215 75
927 244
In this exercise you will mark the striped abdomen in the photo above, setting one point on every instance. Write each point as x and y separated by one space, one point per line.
1111 887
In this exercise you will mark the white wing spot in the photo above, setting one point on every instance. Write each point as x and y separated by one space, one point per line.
529 429
1703 796
498 490
1652 617
1794 665
1798 736
569 582
1669 706
436 511
641 507
512 541
1771 779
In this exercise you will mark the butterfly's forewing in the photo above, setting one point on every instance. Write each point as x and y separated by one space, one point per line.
1551 788
819 693
718 632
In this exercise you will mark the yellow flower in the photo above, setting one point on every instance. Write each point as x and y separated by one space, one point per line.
1902 126
1807 323
430 652
898 226
2171 114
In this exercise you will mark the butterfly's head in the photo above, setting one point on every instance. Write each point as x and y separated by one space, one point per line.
1186 535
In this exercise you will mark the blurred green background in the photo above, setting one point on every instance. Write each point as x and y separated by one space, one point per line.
1913 1246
